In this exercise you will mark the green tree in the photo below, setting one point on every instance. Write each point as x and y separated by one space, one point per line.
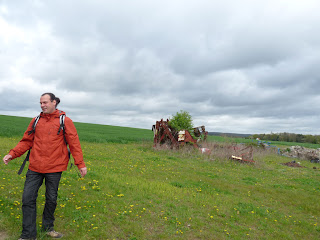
181 121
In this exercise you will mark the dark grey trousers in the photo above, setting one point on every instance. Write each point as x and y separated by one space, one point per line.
32 184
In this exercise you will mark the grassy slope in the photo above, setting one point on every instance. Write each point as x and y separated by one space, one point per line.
135 192
15 127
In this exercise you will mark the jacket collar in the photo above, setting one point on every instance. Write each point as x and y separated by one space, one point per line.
55 113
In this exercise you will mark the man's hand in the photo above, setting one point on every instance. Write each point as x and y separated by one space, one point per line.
83 171
7 158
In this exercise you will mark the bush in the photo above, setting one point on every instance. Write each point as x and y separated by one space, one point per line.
181 121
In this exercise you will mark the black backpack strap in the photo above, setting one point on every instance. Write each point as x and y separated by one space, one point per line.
24 163
34 125
62 127
62 117
29 133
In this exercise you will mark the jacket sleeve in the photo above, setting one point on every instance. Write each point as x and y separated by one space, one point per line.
25 143
74 143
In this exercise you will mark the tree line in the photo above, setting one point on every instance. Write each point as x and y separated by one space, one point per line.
288 137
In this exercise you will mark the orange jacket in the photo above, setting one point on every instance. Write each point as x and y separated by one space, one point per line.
49 151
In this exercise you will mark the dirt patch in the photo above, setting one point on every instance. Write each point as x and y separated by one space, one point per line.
292 164
3 235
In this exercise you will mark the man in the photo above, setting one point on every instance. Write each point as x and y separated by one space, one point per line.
49 157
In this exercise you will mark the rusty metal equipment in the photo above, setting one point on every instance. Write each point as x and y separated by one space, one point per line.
164 134
200 134
242 153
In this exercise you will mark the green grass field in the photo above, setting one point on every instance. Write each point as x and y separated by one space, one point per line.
16 126
133 191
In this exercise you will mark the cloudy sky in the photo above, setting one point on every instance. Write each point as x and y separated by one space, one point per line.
235 66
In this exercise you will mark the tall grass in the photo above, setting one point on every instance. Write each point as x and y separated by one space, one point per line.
133 191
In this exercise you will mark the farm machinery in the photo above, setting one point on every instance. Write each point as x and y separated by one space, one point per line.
242 153
164 134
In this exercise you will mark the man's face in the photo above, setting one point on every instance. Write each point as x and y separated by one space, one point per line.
47 105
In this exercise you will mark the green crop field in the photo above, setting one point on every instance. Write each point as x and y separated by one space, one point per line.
16 126
133 191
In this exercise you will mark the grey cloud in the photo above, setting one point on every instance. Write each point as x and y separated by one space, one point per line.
248 67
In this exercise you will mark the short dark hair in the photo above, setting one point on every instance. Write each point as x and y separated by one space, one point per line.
52 97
